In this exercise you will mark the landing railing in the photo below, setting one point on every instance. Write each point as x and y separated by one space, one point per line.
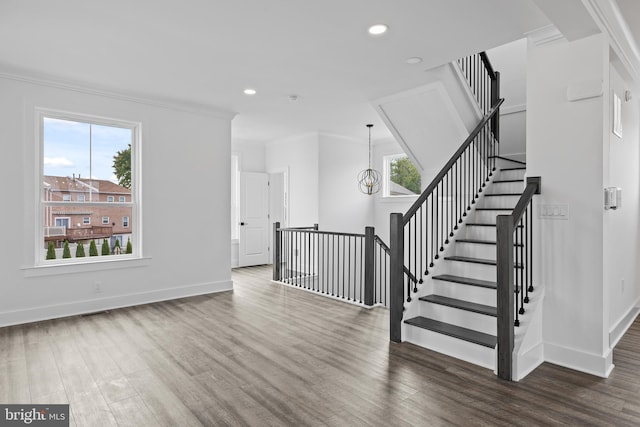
350 266
418 237
514 237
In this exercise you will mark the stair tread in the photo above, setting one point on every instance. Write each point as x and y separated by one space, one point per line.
475 260
514 169
466 281
498 181
494 209
471 259
460 304
481 242
502 194
484 224
454 331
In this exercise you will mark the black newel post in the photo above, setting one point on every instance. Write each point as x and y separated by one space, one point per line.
277 252
505 295
369 265
396 273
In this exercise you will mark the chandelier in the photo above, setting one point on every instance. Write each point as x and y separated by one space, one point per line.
369 179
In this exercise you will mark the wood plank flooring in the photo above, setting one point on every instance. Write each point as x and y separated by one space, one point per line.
266 354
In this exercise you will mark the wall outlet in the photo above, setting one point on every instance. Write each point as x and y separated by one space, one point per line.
97 286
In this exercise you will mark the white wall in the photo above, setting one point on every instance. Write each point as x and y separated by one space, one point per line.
342 207
621 228
185 163
565 148
251 153
301 156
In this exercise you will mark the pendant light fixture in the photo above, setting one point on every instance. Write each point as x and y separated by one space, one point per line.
369 179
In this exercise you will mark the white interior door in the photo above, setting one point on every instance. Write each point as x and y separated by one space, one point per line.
254 219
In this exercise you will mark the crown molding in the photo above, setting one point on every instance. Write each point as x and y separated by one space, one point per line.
53 82
609 19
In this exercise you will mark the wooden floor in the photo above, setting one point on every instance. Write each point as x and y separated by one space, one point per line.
266 354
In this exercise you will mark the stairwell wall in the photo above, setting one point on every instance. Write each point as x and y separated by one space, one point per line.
565 148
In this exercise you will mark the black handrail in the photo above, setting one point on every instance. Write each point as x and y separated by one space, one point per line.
454 158
487 65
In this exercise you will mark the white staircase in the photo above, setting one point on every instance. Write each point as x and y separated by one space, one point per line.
455 310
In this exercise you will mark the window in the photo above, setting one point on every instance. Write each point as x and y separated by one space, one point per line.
125 221
63 222
401 178
87 156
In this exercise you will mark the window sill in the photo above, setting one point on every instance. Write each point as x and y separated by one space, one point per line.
83 267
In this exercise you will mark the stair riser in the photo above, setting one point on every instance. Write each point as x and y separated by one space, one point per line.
469 293
487 216
480 233
468 269
475 250
498 202
455 316
506 187
472 353
514 174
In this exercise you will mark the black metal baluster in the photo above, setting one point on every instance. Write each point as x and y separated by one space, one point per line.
527 266
421 245
433 234
415 253
445 202
530 288
344 265
515 278
522 284
409 258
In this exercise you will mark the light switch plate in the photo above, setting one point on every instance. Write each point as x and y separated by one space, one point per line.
555 211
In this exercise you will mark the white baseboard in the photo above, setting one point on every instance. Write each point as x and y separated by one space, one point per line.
36 314
590 363
621 327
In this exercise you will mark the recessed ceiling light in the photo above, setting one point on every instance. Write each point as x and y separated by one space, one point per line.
249 91
378 29
414 60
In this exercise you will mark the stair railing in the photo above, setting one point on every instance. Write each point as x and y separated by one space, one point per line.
351 266
418 237
514 251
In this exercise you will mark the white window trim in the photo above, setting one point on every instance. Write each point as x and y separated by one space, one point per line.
81 198
122 199
84 264
86 222
107 222
123 222
386 177
111 199
66 197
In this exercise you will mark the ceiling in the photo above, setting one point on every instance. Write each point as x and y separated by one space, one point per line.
205 52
